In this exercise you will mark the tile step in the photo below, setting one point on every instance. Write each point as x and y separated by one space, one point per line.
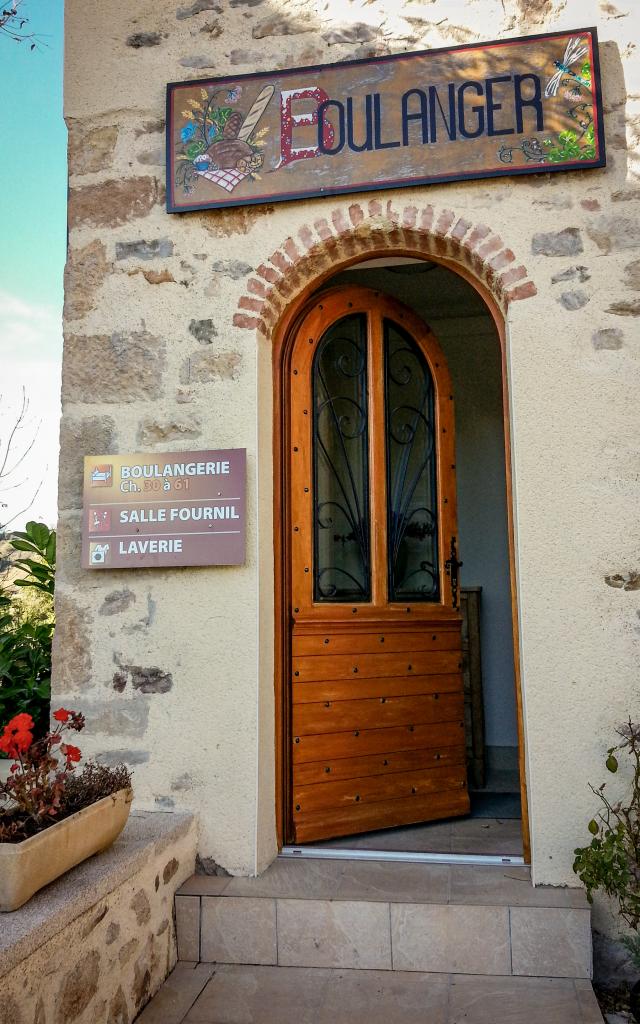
226 994
355 915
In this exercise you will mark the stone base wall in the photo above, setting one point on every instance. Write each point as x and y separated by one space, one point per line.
104 964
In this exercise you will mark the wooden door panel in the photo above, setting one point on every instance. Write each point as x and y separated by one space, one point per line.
356 689
346 666
327 824
376 704
376 741
313 719
388 640
374 788
333 769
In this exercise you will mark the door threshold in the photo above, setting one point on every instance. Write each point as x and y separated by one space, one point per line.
327 853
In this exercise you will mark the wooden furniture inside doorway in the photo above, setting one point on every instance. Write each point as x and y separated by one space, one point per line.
376 721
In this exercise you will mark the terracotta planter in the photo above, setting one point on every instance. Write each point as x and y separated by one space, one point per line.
28 866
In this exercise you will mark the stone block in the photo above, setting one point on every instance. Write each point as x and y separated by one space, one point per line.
557 243
203 331
632 275
91 435
625 307
575 299
612 233
113 367
453 939
90 150
153 431
197 8
238 930
607 338
122 756
198 61
515 1001
204 367
112 203
78 988
341 933
120 718
71 644
551 942
140 39
234 269
358 33
143 249
581 273
117 601
84 273
177 995
283 25
188 927
152 157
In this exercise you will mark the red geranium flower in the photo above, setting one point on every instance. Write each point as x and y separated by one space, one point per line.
62 715
17 737
72 754
20 723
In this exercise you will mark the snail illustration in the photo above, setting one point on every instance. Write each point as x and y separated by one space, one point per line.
233 149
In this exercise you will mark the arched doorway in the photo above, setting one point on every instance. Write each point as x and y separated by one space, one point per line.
294 788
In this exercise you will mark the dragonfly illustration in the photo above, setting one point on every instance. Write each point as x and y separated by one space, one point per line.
575 51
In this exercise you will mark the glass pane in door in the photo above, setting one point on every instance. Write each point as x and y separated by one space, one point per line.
342 570
412 523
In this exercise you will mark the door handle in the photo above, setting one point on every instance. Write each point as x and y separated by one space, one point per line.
451 568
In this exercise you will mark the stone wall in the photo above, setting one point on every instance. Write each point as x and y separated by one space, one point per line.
93 947
168 323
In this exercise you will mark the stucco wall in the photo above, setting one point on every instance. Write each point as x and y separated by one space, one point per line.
175 668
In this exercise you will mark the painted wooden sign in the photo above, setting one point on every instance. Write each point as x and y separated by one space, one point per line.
169 509
515 106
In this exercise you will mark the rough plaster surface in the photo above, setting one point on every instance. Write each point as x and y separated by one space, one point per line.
573 403
95 945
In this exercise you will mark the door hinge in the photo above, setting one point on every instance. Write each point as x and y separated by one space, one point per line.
451 568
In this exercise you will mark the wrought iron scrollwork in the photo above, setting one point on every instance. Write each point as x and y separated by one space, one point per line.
411 470
340 443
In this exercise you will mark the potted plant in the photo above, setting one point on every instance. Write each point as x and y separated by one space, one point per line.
53 816
611 862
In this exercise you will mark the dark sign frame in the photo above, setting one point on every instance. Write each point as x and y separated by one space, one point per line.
371 186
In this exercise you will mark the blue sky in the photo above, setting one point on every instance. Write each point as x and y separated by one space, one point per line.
32 254
33 170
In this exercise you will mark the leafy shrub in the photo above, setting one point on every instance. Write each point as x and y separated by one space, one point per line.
26 629
611 862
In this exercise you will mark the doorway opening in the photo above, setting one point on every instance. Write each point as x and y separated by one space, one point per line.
483 816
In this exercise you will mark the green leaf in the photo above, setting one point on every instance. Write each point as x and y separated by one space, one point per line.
23 545
38 533
50 550
593 827
612 764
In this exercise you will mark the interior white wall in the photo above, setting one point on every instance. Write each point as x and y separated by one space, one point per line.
469 339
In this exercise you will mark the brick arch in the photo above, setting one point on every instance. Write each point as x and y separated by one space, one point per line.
321 249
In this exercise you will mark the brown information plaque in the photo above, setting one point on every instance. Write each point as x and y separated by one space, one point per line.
168 509
514 106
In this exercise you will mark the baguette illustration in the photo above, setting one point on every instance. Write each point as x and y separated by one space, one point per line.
257 110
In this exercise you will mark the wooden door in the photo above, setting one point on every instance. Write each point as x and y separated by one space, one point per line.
376 701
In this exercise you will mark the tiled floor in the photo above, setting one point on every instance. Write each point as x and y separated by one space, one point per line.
458 835
210 994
